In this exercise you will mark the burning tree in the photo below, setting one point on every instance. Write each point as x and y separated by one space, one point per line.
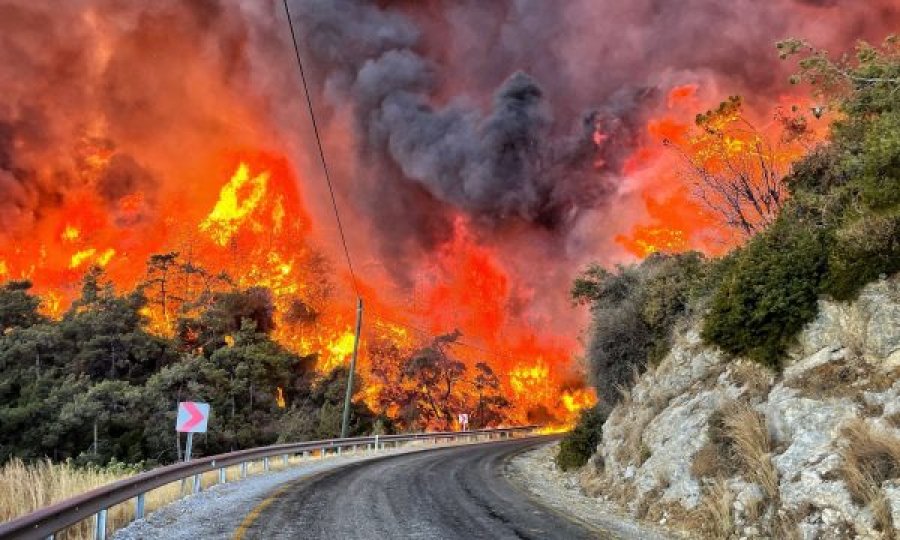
491 406
430 375
736 170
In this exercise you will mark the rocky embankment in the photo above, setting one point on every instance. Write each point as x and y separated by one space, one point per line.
724 448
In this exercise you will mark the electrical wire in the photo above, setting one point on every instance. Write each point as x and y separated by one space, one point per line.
337 215
315 126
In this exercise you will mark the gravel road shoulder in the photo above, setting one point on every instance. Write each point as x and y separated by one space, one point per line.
218 511
536 473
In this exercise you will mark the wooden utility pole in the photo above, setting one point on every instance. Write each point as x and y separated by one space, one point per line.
345 423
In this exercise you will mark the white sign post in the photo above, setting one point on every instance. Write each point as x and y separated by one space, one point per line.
463 421
192 418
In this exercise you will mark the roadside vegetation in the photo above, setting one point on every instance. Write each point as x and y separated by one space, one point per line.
97 386
579 444
29 486
828 227
824 229
91 397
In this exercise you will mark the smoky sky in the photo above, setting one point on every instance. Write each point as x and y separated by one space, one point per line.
510 159
489 109
492 109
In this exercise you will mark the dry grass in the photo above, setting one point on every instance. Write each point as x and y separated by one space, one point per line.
713 516
707 463
754 378
869 458
844 378
633 450
787 526
718 457
831 379
629 450
894 420
25 488
750 439
867 409
881 511
739 443
647 501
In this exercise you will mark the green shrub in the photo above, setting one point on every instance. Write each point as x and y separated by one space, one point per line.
860 253
769 293
634 310
579 445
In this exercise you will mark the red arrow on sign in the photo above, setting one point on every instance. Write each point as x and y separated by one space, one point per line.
196 416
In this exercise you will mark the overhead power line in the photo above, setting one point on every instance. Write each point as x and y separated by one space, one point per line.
334 205
315 125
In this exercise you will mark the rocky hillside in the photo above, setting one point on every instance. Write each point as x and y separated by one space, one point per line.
729 449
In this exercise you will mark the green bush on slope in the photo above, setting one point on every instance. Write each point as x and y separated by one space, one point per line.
633 311
579 444
841 229
769 293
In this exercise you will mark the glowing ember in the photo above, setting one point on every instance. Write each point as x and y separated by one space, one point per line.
71 233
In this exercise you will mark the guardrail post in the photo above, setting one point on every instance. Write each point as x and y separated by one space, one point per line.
339 448
139 506
243 470
266 464
100 525
305 455
197 483
376 444
223 477
284 460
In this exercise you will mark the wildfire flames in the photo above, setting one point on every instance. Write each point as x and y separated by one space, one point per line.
471 214
258 232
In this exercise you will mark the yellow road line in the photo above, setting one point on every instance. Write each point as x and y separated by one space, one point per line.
241 531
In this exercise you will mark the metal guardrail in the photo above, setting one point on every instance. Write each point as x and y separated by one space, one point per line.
44 523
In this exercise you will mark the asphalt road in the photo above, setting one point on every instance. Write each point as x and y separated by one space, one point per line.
450 493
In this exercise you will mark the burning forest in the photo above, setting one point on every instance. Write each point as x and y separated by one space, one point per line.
482 153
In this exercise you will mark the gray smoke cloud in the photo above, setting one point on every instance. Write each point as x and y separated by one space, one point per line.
510 159
492 108
489 108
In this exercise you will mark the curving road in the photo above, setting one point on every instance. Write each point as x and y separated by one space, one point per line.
450 493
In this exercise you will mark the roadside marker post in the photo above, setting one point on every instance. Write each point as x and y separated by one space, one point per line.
192 417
